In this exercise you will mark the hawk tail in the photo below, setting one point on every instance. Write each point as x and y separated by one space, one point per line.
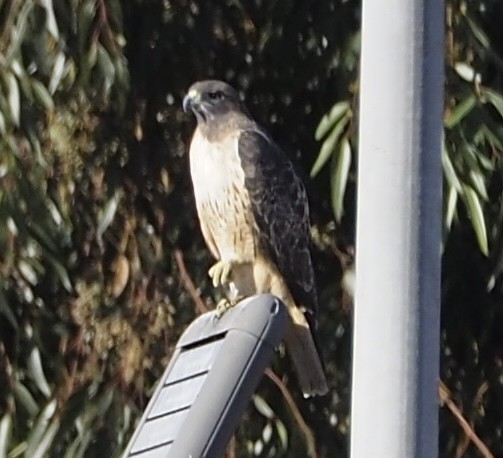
304 355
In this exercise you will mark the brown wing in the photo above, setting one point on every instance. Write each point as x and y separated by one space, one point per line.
280 208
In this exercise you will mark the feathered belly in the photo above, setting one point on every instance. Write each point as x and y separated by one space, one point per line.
222 202
228 225
227 220
225 214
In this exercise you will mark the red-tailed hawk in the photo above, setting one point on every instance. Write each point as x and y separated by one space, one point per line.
254 216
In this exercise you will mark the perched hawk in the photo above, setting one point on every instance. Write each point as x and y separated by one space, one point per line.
254 217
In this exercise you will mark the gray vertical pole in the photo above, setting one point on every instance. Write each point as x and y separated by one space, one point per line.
397 309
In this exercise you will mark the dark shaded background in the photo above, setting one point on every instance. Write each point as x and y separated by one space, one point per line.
99 240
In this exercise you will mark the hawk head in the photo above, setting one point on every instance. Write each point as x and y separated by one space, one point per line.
211 99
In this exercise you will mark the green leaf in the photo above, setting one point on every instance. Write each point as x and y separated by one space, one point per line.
327 122
85 17
460 111
267 433
449 171
47 439
450 208
104 402
341 163
57 73
19 32
466 72
486 163
51 23
492 138
18 69
42 234
28 272
3 126
61 271
329 146
263 407
5 432
42 95
107 68
26 399
87 65
495 99
107 216
282 433
36 371
13 97
476 214
71 451
87 438
6 310
479 146
478 33
476 176
41 428
478 181
18 450
470 157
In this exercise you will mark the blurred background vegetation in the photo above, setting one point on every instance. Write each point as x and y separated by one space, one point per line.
99 243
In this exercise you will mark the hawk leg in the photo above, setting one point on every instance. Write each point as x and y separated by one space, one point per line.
222 307
220 272
231 274
225 304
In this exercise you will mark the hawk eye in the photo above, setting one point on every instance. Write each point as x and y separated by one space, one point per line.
217 95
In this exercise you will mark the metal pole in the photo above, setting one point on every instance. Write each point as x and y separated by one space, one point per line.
397 310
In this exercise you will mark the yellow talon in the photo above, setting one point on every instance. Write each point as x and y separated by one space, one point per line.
222 307
220 272
225 304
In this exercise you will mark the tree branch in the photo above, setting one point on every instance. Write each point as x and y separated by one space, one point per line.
445 399
188 283
310 441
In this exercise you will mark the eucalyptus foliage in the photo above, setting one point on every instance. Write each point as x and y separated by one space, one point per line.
99 239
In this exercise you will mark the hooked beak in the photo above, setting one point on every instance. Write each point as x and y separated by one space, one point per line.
191 100
187 103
